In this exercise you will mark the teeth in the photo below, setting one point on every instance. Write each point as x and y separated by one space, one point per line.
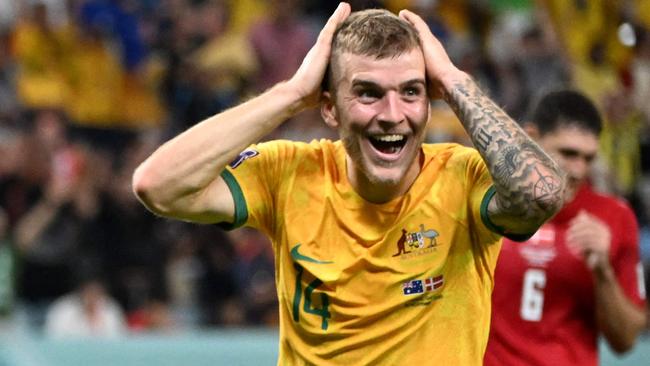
389 138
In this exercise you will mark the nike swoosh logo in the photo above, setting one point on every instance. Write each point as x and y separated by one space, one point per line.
299 257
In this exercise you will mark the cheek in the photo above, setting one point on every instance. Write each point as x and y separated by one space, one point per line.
355 119
359 113
417 111
352 145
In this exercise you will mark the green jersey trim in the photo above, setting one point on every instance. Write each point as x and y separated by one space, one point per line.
490 225
241 212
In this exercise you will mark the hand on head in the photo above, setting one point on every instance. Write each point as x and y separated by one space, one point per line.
438 64
308 79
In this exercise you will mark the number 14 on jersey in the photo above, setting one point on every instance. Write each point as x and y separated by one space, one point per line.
323 311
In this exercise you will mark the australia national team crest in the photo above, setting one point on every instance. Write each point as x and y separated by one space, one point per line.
430 284
243 156
416 243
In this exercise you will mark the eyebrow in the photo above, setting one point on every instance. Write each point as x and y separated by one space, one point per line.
573 153
372 84
364 83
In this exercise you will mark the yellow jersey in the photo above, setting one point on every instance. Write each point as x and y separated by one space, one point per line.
407 282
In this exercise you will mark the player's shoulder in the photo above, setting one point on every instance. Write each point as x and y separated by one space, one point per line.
611 208
606 201
322 149
449 150
298 148
455 157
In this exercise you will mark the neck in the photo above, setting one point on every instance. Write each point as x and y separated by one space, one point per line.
379 192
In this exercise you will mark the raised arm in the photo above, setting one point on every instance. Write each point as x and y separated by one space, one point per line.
181 179
529 185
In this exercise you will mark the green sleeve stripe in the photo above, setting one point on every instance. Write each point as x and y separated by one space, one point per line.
241 212
490 225
484 210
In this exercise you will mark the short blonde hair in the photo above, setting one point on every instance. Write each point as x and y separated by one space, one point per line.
374 32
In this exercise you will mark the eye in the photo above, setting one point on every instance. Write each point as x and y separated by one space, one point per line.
573 154
412 92
589 158
368 95
569 153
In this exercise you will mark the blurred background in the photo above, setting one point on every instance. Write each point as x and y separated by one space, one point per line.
88 88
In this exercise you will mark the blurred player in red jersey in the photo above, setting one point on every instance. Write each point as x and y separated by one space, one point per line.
579 276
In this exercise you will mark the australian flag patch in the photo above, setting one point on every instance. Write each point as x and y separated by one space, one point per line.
243 156
413 287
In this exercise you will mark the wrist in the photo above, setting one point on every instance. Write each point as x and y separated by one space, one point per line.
602 270
450 79
296 98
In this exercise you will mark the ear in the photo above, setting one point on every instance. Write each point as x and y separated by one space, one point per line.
531 130
328 110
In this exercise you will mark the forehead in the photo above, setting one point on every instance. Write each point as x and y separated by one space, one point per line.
573 137
389 70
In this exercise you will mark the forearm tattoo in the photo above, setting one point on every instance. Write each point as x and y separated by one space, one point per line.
528 183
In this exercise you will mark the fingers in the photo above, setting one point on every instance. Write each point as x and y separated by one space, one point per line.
416 21
587 234
337 18
308 78
586 225
579 231
439 67
420 26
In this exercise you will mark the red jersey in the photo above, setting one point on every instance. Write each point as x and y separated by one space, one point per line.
543 307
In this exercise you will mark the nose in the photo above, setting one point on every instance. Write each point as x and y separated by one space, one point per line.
577 168
391 111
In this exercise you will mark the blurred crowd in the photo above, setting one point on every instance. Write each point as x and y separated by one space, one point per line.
88 88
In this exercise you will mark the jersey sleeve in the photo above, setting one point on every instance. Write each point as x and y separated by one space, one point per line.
481 192
625 260
254 178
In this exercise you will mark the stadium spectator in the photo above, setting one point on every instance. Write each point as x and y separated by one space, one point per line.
620 145
280 42
7 267
42 51
50 233
89 311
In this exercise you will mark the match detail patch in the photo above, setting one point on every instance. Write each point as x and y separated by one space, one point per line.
243 156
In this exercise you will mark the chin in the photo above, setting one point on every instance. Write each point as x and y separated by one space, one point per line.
569 194
385 177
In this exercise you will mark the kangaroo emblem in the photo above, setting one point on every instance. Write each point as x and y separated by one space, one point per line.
431 235
401 248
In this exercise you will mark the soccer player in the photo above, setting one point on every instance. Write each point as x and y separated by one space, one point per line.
579 276
384 246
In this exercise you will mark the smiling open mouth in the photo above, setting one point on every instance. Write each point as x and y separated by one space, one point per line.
388 144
